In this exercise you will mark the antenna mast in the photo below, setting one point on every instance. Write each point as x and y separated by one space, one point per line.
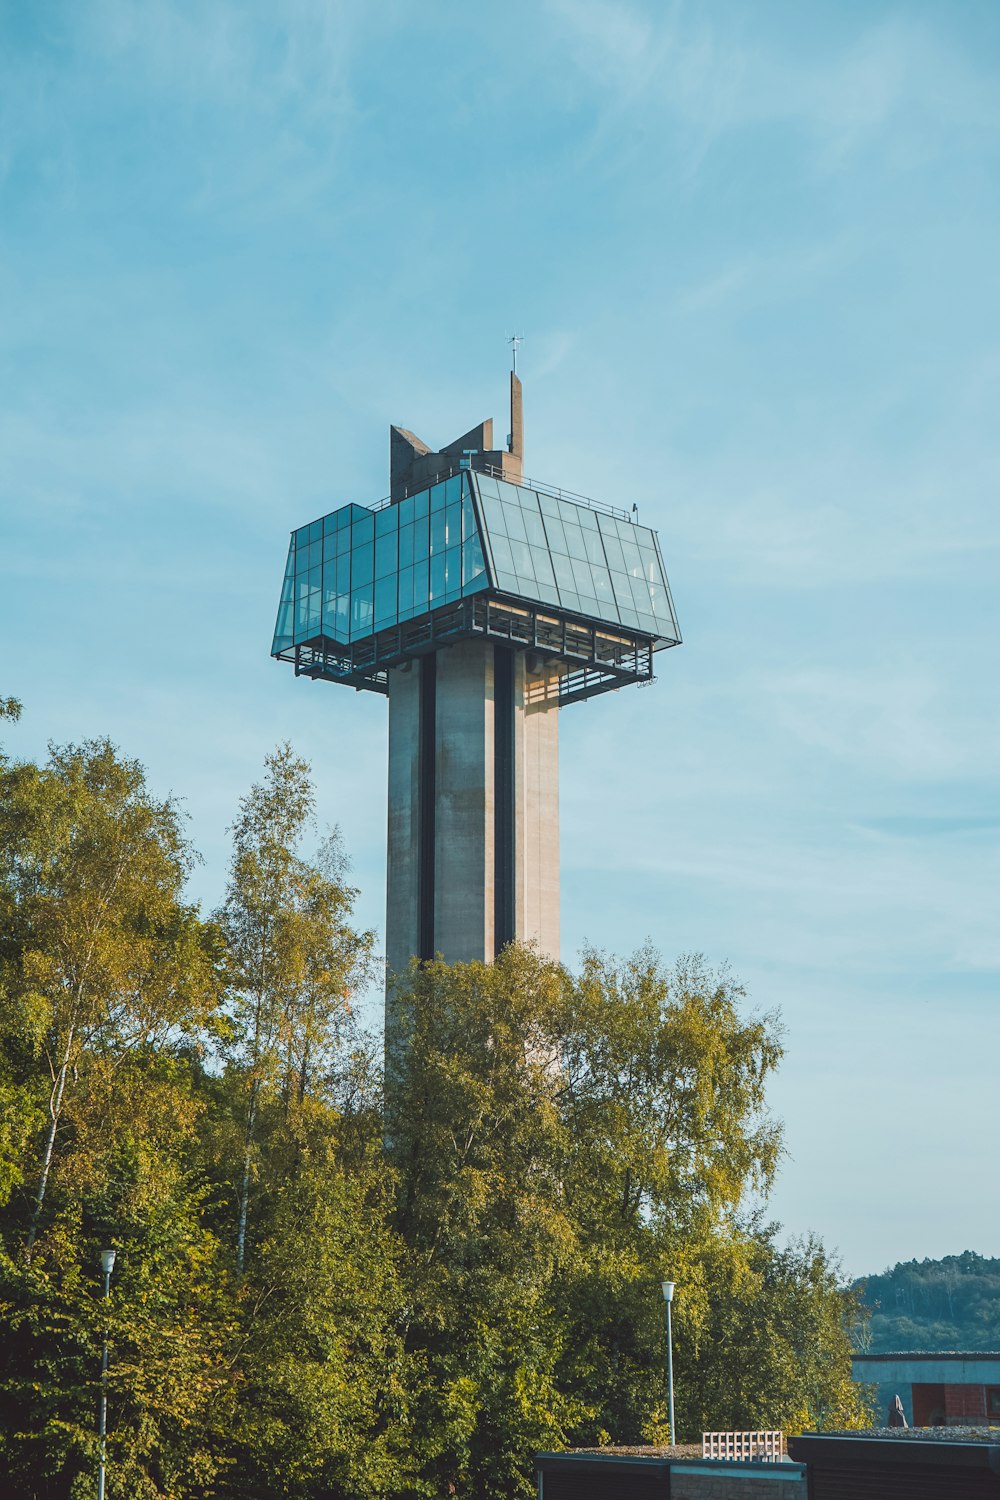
515 340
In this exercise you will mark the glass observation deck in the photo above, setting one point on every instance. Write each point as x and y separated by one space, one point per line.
364 590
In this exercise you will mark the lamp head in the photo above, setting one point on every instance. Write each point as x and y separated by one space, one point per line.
668 1290
107 1261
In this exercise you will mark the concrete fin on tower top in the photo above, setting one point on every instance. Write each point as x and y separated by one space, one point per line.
413 465
477 439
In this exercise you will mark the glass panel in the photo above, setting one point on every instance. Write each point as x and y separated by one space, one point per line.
487 486
515 524
316 531
623 594
453 570
385 600
405 511
386 559
405 590
437 529
437 577
602 583
555 534
342 574
493 513
508 492
547 593
386 520
405 546
633 562
330 547
564 573
421 502
362 528
502 557
361 610
453 489
548 505
420 588
452 525
473 562
595 549
569 600
587 518
343 517
302 537
482 582
314 577
362 563
543 565
614 553
575 544
534 529
650 565
438 496
521 553
420 536
640 593
584 580
469 527
569 512
508 583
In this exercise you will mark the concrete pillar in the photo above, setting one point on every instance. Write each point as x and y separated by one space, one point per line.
489 805
464 851
402 916
537 803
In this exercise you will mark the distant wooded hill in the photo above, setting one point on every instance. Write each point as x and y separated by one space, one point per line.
952 1303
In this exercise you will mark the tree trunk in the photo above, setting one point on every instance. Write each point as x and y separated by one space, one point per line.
55 1110
241 1233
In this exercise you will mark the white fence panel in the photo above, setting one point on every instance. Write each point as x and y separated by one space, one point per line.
742 1446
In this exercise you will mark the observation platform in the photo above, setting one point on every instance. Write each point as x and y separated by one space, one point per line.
578 586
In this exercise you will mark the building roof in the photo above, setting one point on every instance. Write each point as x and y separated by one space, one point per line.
929 1354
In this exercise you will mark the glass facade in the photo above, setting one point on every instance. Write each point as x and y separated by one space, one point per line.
558 552
357 571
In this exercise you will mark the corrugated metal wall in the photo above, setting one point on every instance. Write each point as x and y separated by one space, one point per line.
907 1482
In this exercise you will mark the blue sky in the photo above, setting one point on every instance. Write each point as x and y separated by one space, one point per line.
753 250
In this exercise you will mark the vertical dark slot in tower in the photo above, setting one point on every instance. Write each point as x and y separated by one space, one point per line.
428 754
503 797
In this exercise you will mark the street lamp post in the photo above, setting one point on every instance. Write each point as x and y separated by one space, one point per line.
107 1266
668 1297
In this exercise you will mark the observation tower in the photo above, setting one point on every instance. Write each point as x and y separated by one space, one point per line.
480 603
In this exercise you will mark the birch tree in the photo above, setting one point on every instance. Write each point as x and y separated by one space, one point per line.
295 959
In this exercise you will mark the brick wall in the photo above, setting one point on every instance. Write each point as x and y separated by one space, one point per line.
965 1404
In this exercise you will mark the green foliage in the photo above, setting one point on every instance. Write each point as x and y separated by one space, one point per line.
313 1297
952 1303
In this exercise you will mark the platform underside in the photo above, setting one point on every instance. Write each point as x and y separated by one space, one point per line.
596 658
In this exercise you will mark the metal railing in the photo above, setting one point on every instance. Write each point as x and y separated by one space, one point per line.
769 1446
555 490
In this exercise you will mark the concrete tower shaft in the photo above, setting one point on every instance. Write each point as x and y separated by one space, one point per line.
473 828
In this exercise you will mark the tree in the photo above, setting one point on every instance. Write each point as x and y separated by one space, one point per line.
478 1142
295 960
102 954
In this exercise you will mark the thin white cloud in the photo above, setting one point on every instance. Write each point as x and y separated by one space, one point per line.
710 74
